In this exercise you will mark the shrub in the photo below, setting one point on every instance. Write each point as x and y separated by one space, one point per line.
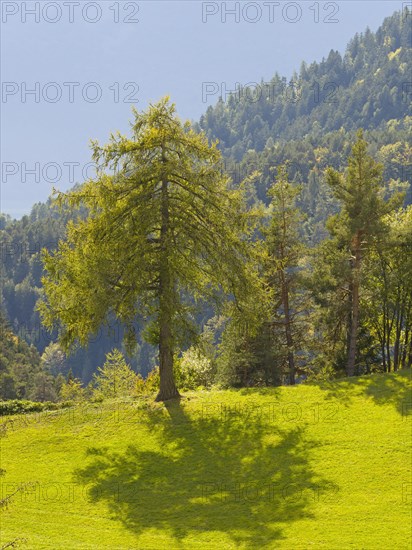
54 360
115 378
43 388
18 406
72 391
193 369
140 386
148 385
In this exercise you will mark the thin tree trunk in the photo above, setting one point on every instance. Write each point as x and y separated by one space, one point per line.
354 327
168 389
383 356
405 348
349 317
285 297
388 345
398 333
385 315
390 319
288 331
407 334
381 338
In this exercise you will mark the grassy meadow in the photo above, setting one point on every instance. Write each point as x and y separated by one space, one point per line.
312 466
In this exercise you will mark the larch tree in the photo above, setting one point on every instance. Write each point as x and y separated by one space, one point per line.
163 231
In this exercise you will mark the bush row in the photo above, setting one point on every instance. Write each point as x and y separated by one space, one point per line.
18 406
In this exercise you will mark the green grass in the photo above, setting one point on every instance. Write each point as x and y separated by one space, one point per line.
316 466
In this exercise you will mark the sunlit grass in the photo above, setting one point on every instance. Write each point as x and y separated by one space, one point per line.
316 466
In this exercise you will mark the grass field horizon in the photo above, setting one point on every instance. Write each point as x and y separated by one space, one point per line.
313 466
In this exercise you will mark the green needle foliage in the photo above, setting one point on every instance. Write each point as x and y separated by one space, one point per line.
115 378
360 223
163 232
284 250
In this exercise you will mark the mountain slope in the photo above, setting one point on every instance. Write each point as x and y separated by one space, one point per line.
19 365
366 87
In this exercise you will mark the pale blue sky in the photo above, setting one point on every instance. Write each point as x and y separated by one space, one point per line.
172 49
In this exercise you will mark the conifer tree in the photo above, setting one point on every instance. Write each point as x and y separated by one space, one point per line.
360 191
163 231
284 253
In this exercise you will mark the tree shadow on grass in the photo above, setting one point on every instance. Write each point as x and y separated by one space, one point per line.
245 480
394 389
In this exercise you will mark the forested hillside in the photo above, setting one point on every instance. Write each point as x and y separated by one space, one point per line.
22 374
21 244
308 125
363 88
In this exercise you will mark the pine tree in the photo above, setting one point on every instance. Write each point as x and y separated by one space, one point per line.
284 251
115 378
360 222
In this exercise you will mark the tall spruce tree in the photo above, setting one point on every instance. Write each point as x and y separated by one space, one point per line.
284 252
388 292
163 231
360 222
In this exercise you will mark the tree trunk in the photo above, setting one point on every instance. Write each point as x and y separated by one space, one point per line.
388 346
383 356
168 389
349 317
407 334
385 316
354 327
398 334
405 348
288 330
409 364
